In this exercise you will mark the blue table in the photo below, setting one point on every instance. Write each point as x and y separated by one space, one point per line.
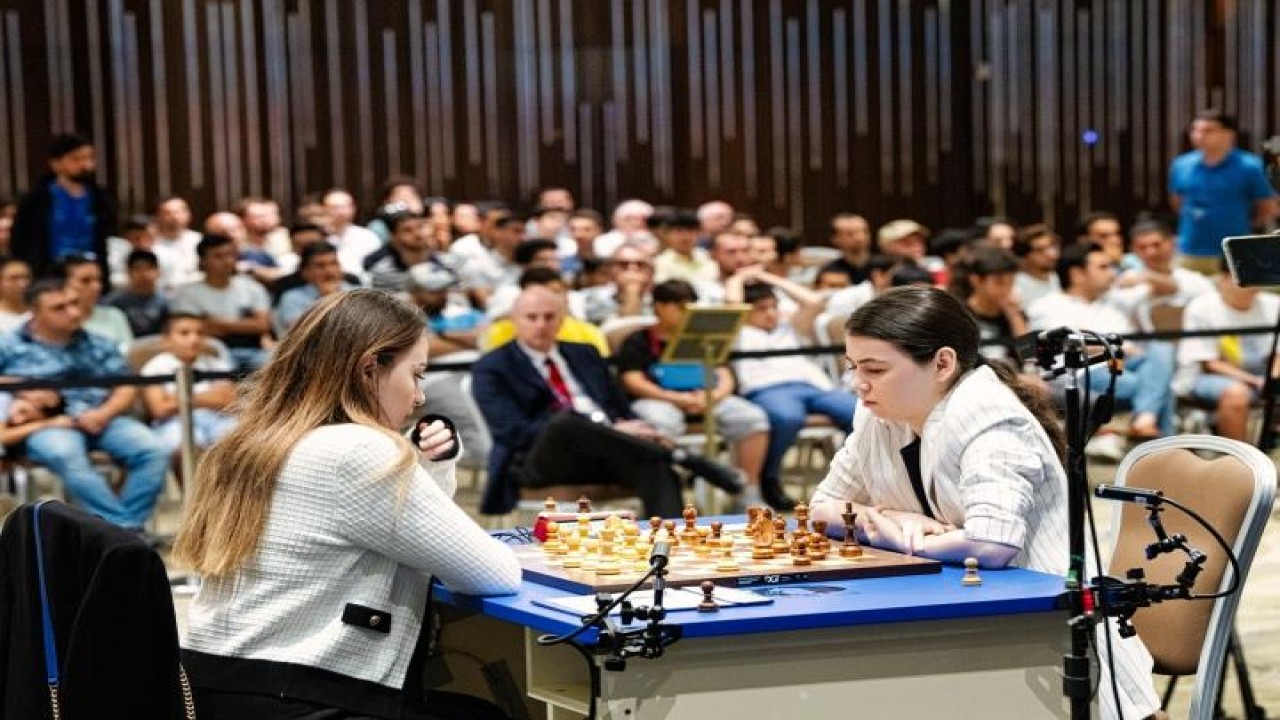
914 646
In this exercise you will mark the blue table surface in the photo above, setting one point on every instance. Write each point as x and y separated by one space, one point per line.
867 601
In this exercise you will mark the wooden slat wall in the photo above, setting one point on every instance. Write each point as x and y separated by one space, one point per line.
941 110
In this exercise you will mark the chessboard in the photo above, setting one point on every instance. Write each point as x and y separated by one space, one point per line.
612 557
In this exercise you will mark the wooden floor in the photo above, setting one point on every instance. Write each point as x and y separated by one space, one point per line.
1258 619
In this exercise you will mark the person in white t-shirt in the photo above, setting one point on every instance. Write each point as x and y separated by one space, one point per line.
187 343
1159 280
1229 370
354 243
788 388
1086 274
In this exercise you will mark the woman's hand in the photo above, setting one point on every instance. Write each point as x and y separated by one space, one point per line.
899 530
435 440
930 525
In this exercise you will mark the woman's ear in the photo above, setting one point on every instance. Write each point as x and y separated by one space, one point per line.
945 363
368 367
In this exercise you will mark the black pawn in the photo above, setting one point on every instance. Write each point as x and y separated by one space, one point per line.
708 604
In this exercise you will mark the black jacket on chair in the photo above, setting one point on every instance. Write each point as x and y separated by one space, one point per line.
112 614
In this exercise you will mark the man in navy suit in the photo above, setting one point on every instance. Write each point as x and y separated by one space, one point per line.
558 418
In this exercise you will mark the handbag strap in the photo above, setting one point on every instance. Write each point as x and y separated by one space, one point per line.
51 646
46 616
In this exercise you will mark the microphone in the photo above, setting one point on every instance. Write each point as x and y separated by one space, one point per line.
1049 344
1127 494
660 555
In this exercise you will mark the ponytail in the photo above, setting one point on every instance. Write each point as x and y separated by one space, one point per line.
1038 403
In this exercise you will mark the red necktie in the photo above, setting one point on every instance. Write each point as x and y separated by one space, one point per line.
564 399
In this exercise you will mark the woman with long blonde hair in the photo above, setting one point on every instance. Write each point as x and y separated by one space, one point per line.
317 529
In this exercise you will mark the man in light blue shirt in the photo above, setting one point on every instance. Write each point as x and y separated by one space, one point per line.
54 346
1218 190
318 264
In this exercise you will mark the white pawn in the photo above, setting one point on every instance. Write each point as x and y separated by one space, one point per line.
971 578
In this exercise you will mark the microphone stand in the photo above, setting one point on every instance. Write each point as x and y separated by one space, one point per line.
1076 684
1075 664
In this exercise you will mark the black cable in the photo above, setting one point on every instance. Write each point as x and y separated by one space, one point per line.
590 621
593 671
1222 542
1086 417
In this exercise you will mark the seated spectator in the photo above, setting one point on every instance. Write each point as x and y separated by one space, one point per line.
455 326
30 411
744 224
529 254
53 345
681 258
715 217
1087 274
488 256
1157 279
398 195
732 255
175 243
354 242
1037 250
831 280
1104 229
787 261
1227 371
321 268
985 285
388 268
627 292
851 235
185 338
15 278
585 225
137 234
301 235
630 224
139 297
235 308
572 329
557 418
879 270
84 276
995 232
787 388
743 425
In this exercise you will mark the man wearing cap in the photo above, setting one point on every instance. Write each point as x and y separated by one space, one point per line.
904 238
455 326
453 332
319 265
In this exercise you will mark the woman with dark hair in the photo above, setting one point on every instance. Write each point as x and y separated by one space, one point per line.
951 458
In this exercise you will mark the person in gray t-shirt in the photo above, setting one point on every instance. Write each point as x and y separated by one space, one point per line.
236 309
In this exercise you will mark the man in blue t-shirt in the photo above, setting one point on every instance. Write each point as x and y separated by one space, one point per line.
1218 190
66 213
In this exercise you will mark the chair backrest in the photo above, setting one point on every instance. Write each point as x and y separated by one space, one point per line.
618 329
1234 492
828 329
